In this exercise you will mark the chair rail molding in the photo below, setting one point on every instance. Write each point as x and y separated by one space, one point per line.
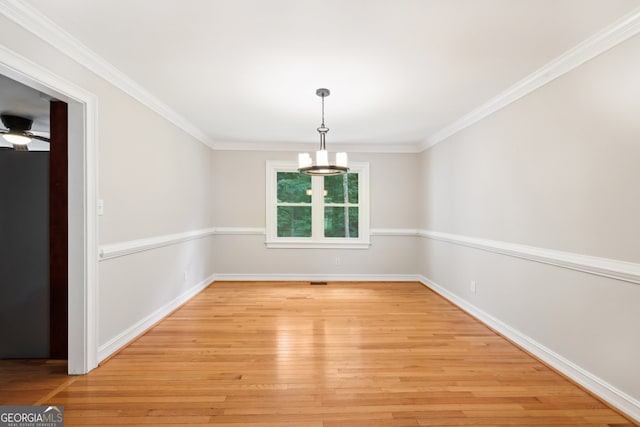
139 245
605 267
244 231
394 232
119 249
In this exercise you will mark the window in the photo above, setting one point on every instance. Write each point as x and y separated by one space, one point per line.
304 211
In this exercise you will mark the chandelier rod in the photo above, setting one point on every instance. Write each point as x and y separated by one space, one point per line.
322 93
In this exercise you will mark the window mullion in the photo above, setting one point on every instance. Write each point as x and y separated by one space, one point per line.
292 204
317 210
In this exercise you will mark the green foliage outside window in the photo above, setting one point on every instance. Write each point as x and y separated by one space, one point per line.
293 186
334 187
341 218
294 221
335 223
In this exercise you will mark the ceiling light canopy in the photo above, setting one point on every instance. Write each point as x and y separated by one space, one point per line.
322 166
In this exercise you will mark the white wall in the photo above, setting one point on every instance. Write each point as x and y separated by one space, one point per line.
557 170
239 192
154 180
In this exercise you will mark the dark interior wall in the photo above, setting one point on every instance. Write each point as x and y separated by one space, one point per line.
24 254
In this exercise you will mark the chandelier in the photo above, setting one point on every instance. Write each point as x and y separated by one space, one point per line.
322 167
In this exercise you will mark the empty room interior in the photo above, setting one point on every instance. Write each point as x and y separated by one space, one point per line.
321 213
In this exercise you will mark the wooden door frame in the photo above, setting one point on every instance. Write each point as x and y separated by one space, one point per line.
58 231
82 203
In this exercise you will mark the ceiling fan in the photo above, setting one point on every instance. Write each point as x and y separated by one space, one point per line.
18 131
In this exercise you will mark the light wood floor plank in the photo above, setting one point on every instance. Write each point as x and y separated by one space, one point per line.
271 354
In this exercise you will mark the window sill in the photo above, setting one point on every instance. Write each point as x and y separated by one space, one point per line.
298 244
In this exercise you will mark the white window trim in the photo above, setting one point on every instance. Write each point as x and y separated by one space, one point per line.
272 239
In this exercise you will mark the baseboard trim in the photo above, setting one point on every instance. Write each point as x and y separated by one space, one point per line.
617 398
137 329
605 267
605 391
263 277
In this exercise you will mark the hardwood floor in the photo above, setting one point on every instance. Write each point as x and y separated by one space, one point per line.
345 354
24 382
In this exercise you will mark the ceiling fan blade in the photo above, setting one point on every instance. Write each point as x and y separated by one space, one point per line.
40 138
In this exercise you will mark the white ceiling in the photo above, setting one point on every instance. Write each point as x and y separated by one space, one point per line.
246 71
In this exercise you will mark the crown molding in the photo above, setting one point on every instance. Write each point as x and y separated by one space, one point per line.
301 147
38 24
612 35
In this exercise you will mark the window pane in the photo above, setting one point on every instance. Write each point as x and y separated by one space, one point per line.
335 186
294 221
336 222
353 188
293 186
353 222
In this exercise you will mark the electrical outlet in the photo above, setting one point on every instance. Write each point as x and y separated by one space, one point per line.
473 286
184 276
338 261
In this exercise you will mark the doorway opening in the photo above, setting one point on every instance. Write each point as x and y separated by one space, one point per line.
33 226
81 300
